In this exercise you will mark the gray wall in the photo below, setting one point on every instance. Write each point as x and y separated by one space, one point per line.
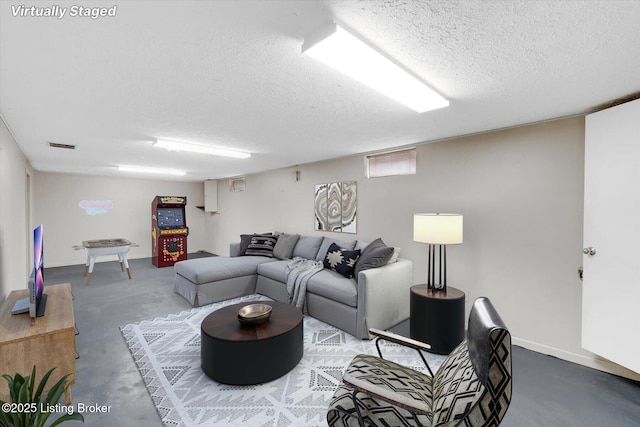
15 199
520 190
66 224
521 194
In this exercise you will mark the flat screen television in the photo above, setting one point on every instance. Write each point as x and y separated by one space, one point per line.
38 299
36 302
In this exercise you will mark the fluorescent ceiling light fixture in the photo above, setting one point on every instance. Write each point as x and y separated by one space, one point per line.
159 171
199 148
346 53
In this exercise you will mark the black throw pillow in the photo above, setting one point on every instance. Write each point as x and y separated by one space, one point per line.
261 245
341 260
245 241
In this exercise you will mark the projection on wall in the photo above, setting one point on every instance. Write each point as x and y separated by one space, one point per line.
335 207
96 207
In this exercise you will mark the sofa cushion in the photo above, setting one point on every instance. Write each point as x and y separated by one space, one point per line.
211 269
261 246
307 247
334 286
285 244
322 252
341 260
274 270
375 255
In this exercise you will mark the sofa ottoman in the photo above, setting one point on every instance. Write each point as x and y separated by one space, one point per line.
207 280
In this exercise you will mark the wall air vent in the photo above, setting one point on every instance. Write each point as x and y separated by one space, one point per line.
237 184
65 146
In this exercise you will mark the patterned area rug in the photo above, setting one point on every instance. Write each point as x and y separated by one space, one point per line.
167 353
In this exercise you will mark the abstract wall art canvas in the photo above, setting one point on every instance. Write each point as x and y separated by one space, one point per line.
349 206
335 207
320 207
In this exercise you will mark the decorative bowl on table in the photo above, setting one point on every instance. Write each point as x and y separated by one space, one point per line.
254 314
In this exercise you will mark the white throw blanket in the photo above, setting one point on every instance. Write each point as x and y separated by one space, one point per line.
298 273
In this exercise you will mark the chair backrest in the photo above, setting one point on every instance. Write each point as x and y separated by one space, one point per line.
483 321
474 382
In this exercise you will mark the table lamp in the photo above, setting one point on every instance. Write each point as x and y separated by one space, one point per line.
437 229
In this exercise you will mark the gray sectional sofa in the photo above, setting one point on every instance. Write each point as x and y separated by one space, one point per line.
377 296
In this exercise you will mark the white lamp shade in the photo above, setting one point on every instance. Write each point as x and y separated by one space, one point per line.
437 228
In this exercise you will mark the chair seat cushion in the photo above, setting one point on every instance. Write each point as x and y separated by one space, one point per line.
342 412
404 382
411 384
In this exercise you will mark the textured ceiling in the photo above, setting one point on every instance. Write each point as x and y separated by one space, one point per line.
231 74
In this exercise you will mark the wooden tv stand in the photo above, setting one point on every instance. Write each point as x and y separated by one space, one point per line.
45 342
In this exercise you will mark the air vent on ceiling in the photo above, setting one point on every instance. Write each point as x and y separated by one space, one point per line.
65 146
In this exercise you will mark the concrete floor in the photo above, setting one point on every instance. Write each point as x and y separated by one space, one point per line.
546 391
105 371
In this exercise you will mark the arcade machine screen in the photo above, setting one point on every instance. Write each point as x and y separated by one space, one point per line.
170 217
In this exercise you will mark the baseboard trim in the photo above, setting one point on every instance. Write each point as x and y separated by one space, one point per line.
593 361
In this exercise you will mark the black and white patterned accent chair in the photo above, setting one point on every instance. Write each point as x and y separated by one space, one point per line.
471 388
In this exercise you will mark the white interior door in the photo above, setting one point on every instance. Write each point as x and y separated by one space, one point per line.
611 286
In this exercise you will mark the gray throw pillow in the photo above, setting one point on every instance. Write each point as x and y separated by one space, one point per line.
375 255
284 245
395 256
307 247
245 239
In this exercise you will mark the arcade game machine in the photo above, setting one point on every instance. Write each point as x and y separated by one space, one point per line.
169 230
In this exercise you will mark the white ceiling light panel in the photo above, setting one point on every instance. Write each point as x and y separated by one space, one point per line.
200 148
343 51
146 170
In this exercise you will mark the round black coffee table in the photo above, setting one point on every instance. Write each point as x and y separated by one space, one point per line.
232 353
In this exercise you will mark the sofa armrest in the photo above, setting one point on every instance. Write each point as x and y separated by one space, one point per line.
383 296
234 249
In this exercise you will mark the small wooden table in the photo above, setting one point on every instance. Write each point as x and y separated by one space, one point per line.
45 342
102 247
235 354
437 318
